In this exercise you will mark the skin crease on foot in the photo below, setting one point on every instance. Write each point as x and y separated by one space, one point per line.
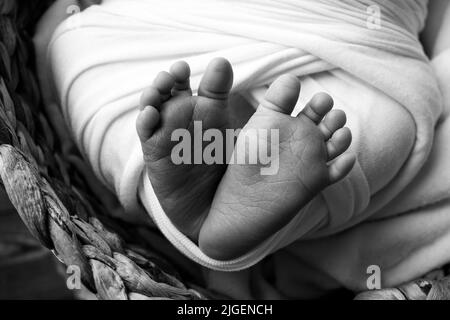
228 210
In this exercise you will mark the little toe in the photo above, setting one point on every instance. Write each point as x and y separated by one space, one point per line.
333 121
159 91
339 143
181 72
217 80
318 107
341 167
146 122
283 94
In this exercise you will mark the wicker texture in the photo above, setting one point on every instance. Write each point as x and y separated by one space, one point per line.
65 207
50 192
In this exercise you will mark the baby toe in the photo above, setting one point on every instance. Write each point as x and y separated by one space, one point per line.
332 122
341 167
339 143
159 91
318 107
217 80
181 72
146 122
282 95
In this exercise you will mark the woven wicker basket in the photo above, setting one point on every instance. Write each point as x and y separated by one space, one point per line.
70 213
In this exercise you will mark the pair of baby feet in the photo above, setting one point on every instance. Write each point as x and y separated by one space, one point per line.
228 210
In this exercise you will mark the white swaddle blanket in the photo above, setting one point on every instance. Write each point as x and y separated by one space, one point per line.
103 58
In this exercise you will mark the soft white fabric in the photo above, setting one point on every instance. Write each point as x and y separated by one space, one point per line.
103 59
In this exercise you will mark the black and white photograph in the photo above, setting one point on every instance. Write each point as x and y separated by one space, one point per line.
241 151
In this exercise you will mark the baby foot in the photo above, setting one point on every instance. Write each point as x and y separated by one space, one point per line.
185 191
248 206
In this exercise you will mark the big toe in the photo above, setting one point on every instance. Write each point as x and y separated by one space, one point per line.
217 80
283 94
